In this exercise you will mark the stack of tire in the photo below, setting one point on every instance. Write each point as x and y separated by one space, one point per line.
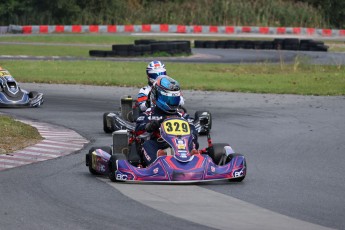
277 44
145 47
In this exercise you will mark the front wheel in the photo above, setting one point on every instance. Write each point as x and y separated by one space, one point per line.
33 94
217 152
242 172
113 167
88 158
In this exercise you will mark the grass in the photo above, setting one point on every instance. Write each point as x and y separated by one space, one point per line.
298 78
46 50
101 39
16 135
336 46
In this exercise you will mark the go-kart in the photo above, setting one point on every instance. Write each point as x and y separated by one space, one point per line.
129 112
124 160
11 95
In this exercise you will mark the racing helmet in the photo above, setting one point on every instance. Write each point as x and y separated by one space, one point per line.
153 70
166 94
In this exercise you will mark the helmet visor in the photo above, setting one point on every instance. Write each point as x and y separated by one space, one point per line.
153 75
170 98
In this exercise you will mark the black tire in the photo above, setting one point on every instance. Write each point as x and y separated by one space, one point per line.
258 45
97 53
241 44
210 44
88 158
105 127
112 165
110 53
217 151
231 44
291 44
144 41
220 44
278 43
198 114
33 94
123 47
249 45
267 45
199 44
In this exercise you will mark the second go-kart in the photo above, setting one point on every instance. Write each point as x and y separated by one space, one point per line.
11 95
125 118
123 161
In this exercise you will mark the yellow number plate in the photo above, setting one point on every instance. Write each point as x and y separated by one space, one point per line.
176 127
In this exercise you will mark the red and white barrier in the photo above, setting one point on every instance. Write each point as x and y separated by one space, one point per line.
165 28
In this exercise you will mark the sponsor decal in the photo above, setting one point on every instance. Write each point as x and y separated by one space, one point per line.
183 154
120 176
157 118
102 168
171 93
180 144
238 173
213 169
147 156
155 171
141 118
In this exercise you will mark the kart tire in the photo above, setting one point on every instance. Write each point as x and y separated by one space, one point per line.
105 127
217 152
88 160
198 114
33 94
238 179
112 165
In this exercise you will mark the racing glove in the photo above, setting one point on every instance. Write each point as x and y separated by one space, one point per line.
152 126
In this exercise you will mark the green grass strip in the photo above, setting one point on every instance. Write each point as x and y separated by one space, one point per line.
298 78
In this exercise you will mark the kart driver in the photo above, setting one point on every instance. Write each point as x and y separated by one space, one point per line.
4 73
166 97
154 69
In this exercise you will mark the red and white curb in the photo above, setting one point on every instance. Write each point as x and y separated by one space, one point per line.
58 141
180 29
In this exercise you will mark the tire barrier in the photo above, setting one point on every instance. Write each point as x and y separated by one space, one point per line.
145 47
187 29
277 44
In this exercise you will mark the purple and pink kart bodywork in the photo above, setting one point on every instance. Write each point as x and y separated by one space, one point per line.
169 169
181 167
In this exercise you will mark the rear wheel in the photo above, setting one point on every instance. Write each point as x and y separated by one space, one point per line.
112 165
88 160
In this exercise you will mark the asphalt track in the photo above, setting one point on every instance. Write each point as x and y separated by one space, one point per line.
294 147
